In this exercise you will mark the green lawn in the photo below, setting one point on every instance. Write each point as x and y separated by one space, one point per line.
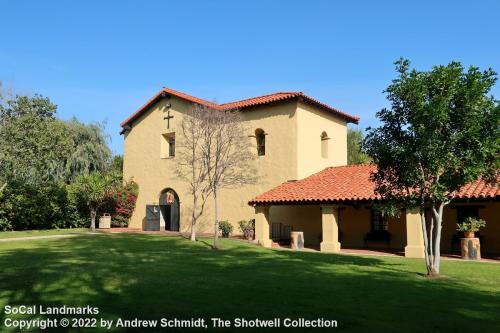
34 233
151 276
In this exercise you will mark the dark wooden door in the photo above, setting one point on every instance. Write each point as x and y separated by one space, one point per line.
152 218
174 215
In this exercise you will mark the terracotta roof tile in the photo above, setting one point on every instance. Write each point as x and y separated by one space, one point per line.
349 183
478 190
241 104
158 95
259 100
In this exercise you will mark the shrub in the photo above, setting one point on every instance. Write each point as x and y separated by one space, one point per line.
42 206
471 224
247 228
225 228
5 225
124 199
120 204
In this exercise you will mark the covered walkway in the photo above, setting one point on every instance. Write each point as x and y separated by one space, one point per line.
336 209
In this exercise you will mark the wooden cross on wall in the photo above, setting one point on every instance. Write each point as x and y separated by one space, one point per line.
168 117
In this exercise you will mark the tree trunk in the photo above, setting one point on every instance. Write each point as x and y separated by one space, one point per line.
426 238
193 219
433 269
216 224
432 239
93 214
437 215
193 231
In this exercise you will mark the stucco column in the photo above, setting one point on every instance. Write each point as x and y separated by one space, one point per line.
262 226
414 237
329 218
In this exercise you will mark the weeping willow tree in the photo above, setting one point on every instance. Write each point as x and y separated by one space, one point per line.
38 147
39 156
90 149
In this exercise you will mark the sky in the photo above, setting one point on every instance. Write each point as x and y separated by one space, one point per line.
100 60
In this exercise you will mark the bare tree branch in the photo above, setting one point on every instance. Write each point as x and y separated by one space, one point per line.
190 165
226 155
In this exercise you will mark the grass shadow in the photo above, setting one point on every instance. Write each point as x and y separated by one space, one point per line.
151 276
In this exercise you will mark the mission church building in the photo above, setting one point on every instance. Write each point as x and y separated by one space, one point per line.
292 135
303 182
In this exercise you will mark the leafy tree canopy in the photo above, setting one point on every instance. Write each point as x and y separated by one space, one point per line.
94 190
37 147
55 173
354 153
441 132
117 164
37 106
34 144
90 149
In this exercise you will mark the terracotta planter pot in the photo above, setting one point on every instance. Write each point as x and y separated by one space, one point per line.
469 234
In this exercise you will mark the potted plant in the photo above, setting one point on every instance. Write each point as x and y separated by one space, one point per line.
225 228
247 228
470 225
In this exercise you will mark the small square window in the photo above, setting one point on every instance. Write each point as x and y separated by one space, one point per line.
167 146
379 222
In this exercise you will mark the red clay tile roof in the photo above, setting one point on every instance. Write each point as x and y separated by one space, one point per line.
259 100
158 95
478 190
245 103
348 183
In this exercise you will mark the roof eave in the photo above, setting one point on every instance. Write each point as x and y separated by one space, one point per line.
341 114
293 95
312 202
139 111
164 93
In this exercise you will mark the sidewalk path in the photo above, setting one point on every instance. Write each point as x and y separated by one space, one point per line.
46 236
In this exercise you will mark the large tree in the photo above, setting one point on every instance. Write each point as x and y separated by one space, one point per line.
440 132
38 147
3 182
39 155
90 150
191 166
34 143
226 154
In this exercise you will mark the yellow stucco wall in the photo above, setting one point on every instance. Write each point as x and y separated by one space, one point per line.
355 222
491 214
301 218
278 165
143 162
311 123
488 211
397 228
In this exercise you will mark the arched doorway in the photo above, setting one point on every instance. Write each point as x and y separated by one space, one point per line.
169 207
